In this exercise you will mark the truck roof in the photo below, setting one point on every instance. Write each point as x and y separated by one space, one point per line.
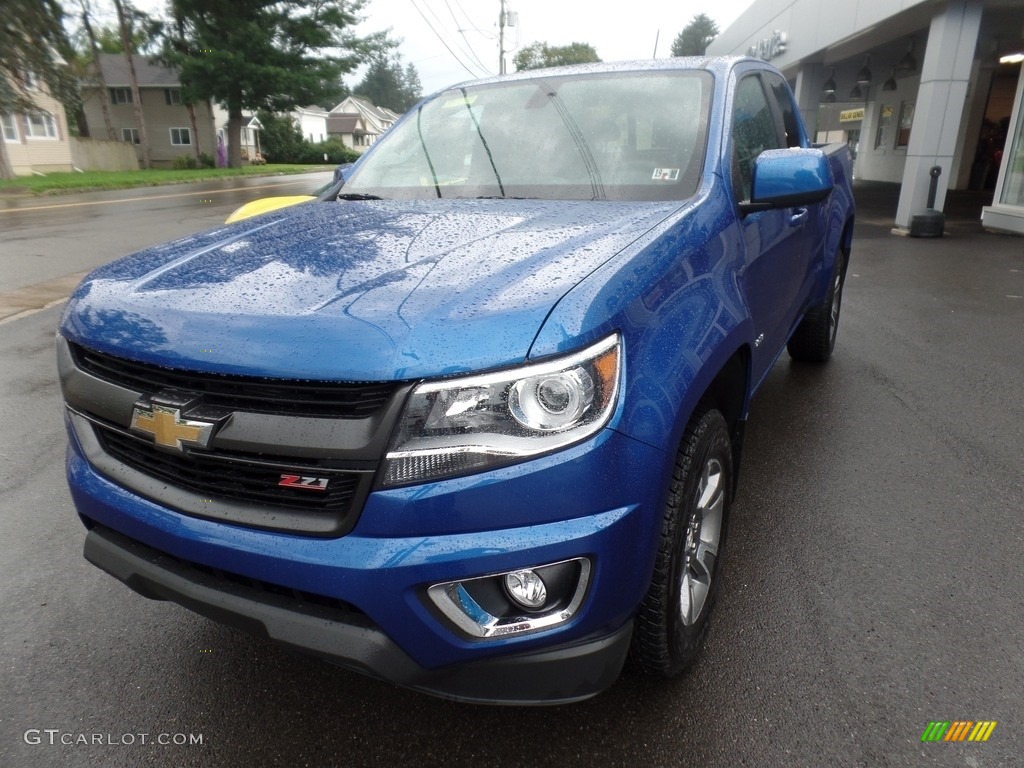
718 65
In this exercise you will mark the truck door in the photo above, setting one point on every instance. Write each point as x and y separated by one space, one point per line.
774 241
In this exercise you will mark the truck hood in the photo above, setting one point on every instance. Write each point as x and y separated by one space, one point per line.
355 290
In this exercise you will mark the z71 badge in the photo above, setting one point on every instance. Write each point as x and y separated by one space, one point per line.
304 483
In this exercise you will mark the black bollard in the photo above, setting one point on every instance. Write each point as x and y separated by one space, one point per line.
931 223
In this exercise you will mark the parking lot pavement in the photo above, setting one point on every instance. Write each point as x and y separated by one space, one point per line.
872 582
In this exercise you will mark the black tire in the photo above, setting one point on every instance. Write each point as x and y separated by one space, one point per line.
815 337
665 639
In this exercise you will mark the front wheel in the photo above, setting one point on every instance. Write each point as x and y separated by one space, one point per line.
815 337
673 617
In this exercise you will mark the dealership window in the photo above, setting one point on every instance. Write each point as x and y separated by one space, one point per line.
906 123
884 118
1012 192
172 96
10 128
180 137
130 135
121 95
40 125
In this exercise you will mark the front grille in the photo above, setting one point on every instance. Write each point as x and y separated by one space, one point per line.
238 478
242 393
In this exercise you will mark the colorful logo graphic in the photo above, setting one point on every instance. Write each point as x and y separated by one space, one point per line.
958 730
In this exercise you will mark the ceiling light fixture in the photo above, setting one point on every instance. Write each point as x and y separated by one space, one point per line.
830 85
864 76
909 62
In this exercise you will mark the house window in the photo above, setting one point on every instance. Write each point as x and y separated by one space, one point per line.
130 135
172 96
180 137
121 95
10 128
40 125
31 81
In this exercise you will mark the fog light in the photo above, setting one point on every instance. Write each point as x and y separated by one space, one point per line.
514 602
526 588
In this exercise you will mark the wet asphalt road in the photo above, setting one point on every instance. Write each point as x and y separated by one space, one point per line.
873 580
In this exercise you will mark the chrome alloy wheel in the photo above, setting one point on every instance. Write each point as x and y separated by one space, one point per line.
703 534
837 302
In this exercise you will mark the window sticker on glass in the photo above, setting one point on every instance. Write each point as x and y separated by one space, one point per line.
665 174
466 100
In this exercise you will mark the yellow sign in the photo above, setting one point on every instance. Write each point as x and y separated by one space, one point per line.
851 115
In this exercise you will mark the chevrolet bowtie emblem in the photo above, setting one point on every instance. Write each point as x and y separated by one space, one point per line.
168 429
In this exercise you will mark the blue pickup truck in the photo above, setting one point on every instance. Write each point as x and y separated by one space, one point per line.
472 422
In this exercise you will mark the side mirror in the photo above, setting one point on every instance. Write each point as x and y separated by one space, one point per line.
784 178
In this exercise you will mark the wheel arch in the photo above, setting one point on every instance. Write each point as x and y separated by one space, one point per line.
729 393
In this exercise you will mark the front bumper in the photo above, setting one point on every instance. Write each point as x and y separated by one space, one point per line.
559 675
594 500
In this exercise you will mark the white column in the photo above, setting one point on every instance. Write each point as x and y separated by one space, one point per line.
941 104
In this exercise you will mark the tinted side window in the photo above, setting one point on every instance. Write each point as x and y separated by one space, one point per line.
753 131
780 91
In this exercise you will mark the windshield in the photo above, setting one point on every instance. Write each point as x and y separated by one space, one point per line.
617 136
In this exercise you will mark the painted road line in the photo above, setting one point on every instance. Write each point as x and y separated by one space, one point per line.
33 298
149 197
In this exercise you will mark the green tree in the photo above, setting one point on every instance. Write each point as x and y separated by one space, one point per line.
539 55
413 86
387 83
333 95
281 140
32 46
695 37
261 54
144 34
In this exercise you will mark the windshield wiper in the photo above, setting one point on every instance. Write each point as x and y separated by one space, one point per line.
357 196
504 197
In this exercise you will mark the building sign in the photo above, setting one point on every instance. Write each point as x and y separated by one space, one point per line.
770 47
851 115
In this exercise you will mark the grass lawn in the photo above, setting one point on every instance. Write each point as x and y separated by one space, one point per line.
56 183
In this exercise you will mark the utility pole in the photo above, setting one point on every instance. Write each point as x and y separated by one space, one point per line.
501 39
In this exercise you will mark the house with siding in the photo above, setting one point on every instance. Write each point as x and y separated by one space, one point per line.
37 141
359 123
168 125
249 136
311 122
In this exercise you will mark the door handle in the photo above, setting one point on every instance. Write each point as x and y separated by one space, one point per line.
797 217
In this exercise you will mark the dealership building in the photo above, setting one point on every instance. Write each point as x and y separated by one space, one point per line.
909 85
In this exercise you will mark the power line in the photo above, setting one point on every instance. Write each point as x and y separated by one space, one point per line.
441 39
462 32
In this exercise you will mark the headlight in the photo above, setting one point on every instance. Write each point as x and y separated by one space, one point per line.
468 424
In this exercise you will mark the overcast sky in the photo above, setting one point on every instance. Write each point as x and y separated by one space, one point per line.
469 28
626 30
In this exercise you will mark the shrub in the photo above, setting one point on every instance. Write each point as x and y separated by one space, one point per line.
183 162
335 150
206 160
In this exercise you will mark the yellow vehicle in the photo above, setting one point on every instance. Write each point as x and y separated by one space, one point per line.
268 204
265 205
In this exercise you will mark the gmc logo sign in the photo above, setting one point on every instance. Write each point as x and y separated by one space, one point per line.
304 483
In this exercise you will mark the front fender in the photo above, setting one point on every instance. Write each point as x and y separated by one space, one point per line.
674 296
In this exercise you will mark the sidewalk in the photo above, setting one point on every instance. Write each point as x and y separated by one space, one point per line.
877 202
